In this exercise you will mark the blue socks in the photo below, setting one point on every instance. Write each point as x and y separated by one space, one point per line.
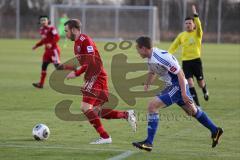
153 119
205 120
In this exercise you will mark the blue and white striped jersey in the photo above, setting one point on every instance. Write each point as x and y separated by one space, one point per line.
165 65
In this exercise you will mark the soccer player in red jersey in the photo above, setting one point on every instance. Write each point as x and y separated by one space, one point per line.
95 90
49 38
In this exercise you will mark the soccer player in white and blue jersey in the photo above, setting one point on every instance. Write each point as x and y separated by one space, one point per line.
165 65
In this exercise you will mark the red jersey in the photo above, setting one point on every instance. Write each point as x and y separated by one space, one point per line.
89 59
49 35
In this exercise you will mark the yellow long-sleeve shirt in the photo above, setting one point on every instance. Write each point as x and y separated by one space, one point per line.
190 42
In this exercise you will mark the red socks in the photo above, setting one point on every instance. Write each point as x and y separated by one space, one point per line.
113 114
96 123
43 76
94 119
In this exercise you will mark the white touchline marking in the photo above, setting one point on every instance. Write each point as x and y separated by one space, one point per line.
57 147
122 155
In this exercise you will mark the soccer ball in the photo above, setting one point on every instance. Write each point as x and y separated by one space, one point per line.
40 132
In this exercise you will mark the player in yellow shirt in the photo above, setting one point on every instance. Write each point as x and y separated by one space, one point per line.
190 41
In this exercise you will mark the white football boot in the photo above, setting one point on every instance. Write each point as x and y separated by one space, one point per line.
102 141
132 120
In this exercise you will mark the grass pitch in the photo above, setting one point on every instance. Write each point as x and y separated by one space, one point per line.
179 137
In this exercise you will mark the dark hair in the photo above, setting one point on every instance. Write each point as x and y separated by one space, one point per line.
189 18
73 23
144 41
44 16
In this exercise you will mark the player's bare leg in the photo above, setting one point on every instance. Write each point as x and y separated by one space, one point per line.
202 84
153 119
94 120
108 113
202 117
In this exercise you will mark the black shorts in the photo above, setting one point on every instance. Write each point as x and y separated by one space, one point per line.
193 68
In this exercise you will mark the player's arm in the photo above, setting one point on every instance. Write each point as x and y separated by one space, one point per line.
56 37
174 46
90 58
81 70
40 43
66 67
150 79
87 60
174 67
197 22
77 72
181 80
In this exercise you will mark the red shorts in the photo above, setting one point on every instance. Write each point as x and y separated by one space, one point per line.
52 56
95 92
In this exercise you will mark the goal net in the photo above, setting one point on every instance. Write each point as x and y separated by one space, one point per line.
107 22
